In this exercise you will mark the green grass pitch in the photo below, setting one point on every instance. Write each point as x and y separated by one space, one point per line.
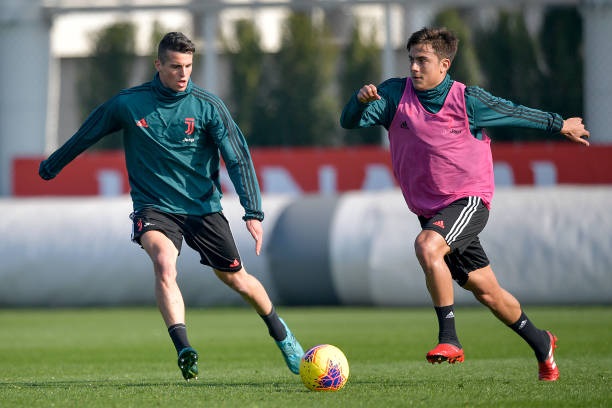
123 357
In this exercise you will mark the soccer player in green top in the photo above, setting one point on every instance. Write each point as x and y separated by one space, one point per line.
174 134
442 160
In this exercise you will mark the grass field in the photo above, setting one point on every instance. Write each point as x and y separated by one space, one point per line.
124 358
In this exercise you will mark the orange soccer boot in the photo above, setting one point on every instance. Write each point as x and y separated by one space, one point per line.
445 352
547 369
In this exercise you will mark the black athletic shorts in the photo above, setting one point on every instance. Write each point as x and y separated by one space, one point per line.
459 224
209 235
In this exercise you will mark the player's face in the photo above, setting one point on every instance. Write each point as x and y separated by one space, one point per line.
427 70
175 71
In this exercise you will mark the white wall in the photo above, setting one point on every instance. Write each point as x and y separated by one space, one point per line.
547 246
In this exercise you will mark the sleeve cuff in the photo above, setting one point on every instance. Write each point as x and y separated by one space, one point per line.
254 216
44 173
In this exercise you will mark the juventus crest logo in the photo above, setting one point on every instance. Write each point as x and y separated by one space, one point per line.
190 122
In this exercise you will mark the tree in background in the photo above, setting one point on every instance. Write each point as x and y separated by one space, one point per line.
157 33
509 59
246 59
561 43
106 71
466 66
306 111
360 64
293 98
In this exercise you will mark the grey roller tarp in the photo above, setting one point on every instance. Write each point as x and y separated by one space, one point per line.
547 246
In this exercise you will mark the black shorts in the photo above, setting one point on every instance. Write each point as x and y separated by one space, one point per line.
459 224
209 235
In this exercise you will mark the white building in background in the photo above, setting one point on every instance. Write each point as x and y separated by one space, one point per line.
73 26
70 30
34 34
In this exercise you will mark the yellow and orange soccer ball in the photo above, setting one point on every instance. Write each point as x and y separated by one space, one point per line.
324 368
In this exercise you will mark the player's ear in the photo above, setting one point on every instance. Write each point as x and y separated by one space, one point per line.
445 64
157 64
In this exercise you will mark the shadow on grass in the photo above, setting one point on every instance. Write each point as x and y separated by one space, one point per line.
121 384
116 384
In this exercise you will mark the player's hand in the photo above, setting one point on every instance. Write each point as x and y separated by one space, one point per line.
574 130
256 230
368 93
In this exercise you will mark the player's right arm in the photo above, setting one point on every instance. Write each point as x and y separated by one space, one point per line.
98 124
371 105
368 93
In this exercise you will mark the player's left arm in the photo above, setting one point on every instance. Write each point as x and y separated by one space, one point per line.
242 173
488 111
233 148
239 164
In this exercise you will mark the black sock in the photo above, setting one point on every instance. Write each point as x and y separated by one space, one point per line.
537 339
275 326
446 324
178 334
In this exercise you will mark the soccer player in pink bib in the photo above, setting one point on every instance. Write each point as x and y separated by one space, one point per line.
441 158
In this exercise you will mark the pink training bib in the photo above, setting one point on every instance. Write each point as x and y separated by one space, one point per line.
436 160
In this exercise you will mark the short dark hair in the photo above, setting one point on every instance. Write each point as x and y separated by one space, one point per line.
174 41
443 41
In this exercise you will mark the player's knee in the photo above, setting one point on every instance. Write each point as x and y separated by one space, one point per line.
235 280
429 248
164 267
162 261
486 299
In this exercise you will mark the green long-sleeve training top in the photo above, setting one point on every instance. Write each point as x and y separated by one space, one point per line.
483 109
173 142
